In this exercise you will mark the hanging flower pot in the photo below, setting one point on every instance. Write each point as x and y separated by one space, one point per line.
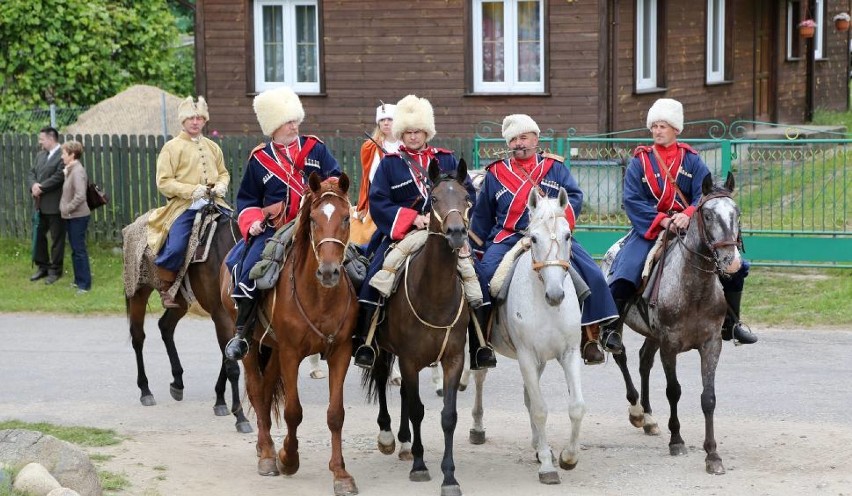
807 28
841 22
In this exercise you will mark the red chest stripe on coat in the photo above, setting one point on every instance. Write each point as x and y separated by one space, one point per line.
661 188
520 188
291 178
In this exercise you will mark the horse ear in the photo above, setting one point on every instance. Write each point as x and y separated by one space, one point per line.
563 198
434 171
343 183
461 172
729 182
707 184
532 201
314 182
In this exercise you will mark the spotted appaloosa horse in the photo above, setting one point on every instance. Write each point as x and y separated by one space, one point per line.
688 314
539 322
203 278
312 309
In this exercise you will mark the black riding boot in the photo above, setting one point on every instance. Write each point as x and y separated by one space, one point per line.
732 328
238 346
610 337
481 356
365 356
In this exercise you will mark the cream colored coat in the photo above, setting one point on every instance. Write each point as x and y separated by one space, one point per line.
182 165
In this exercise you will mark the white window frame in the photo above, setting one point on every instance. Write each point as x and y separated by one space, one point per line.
288 8
510 51
716 41
792 31
819 18
650 81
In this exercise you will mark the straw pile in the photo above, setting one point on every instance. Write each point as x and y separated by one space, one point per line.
138 110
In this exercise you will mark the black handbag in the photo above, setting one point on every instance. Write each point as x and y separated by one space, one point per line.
95 196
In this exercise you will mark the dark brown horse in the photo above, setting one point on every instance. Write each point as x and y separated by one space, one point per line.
426 322
312 309
203 279
688 315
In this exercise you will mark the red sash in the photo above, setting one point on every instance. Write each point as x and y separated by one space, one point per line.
661 188
288 175
520 189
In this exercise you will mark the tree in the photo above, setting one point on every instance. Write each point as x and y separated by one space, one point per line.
78 52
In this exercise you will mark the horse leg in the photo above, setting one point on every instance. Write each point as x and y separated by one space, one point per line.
438 380
413 409
477 432
646 362
669 360
316 370
709 359
465 377
338 364
571 362
386 442
231 371
263 380
449 420
167 324
531 370
136 315
404 432
288 455
634 411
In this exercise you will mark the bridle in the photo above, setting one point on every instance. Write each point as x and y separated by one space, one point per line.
551 262
315 245
713 246
442 219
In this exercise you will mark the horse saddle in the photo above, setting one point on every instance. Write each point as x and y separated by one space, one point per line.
652 271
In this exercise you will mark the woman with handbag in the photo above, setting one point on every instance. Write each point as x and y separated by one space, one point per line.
75 212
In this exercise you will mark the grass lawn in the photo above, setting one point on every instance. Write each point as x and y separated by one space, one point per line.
773 296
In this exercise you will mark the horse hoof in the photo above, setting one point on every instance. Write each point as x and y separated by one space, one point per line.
637 421
677 449
406 456
549 478
651 430
148 400
477 437
386 443
287 469
440 392
462 387
244 427
318 374
221 410
345 487
454 490
567 465
267 467
419 476
715 467
177 394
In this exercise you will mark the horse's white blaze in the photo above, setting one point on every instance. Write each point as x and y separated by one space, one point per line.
328 209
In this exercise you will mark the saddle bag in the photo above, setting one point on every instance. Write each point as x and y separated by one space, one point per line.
266 271
356 265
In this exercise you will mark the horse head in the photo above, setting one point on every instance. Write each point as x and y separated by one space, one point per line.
718 224
550 242
450 203
329 226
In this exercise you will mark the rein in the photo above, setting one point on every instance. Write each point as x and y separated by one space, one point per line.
536 265
315 245
702 236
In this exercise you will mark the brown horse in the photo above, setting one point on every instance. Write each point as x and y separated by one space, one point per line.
430 328
312 309
687 315
202 278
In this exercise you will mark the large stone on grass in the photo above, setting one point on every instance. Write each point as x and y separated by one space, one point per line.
63 491
67 463
35 480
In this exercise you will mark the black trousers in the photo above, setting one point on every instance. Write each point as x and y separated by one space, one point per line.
51 261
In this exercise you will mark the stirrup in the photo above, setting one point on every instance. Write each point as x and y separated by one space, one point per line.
599 356
604 337
487 363
361 359
241 350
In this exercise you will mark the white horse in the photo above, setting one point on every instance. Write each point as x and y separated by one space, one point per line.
540 321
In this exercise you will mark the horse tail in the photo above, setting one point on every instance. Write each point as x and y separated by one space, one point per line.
378 376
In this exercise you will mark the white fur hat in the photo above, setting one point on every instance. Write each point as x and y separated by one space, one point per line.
413 113
385 111
666 109
517 124
276 107
189 108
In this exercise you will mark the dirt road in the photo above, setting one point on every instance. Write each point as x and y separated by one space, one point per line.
782 419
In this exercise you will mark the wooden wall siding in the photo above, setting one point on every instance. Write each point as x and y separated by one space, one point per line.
372 52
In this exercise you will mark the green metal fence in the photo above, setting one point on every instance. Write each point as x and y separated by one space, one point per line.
795 193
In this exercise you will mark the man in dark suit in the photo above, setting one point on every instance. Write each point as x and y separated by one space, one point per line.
45 182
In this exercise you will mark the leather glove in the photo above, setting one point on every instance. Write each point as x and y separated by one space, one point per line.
199 192
220 190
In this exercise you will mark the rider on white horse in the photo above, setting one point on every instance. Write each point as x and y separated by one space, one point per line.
500 215
658 198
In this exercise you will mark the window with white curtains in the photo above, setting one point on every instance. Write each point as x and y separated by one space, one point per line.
286 45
